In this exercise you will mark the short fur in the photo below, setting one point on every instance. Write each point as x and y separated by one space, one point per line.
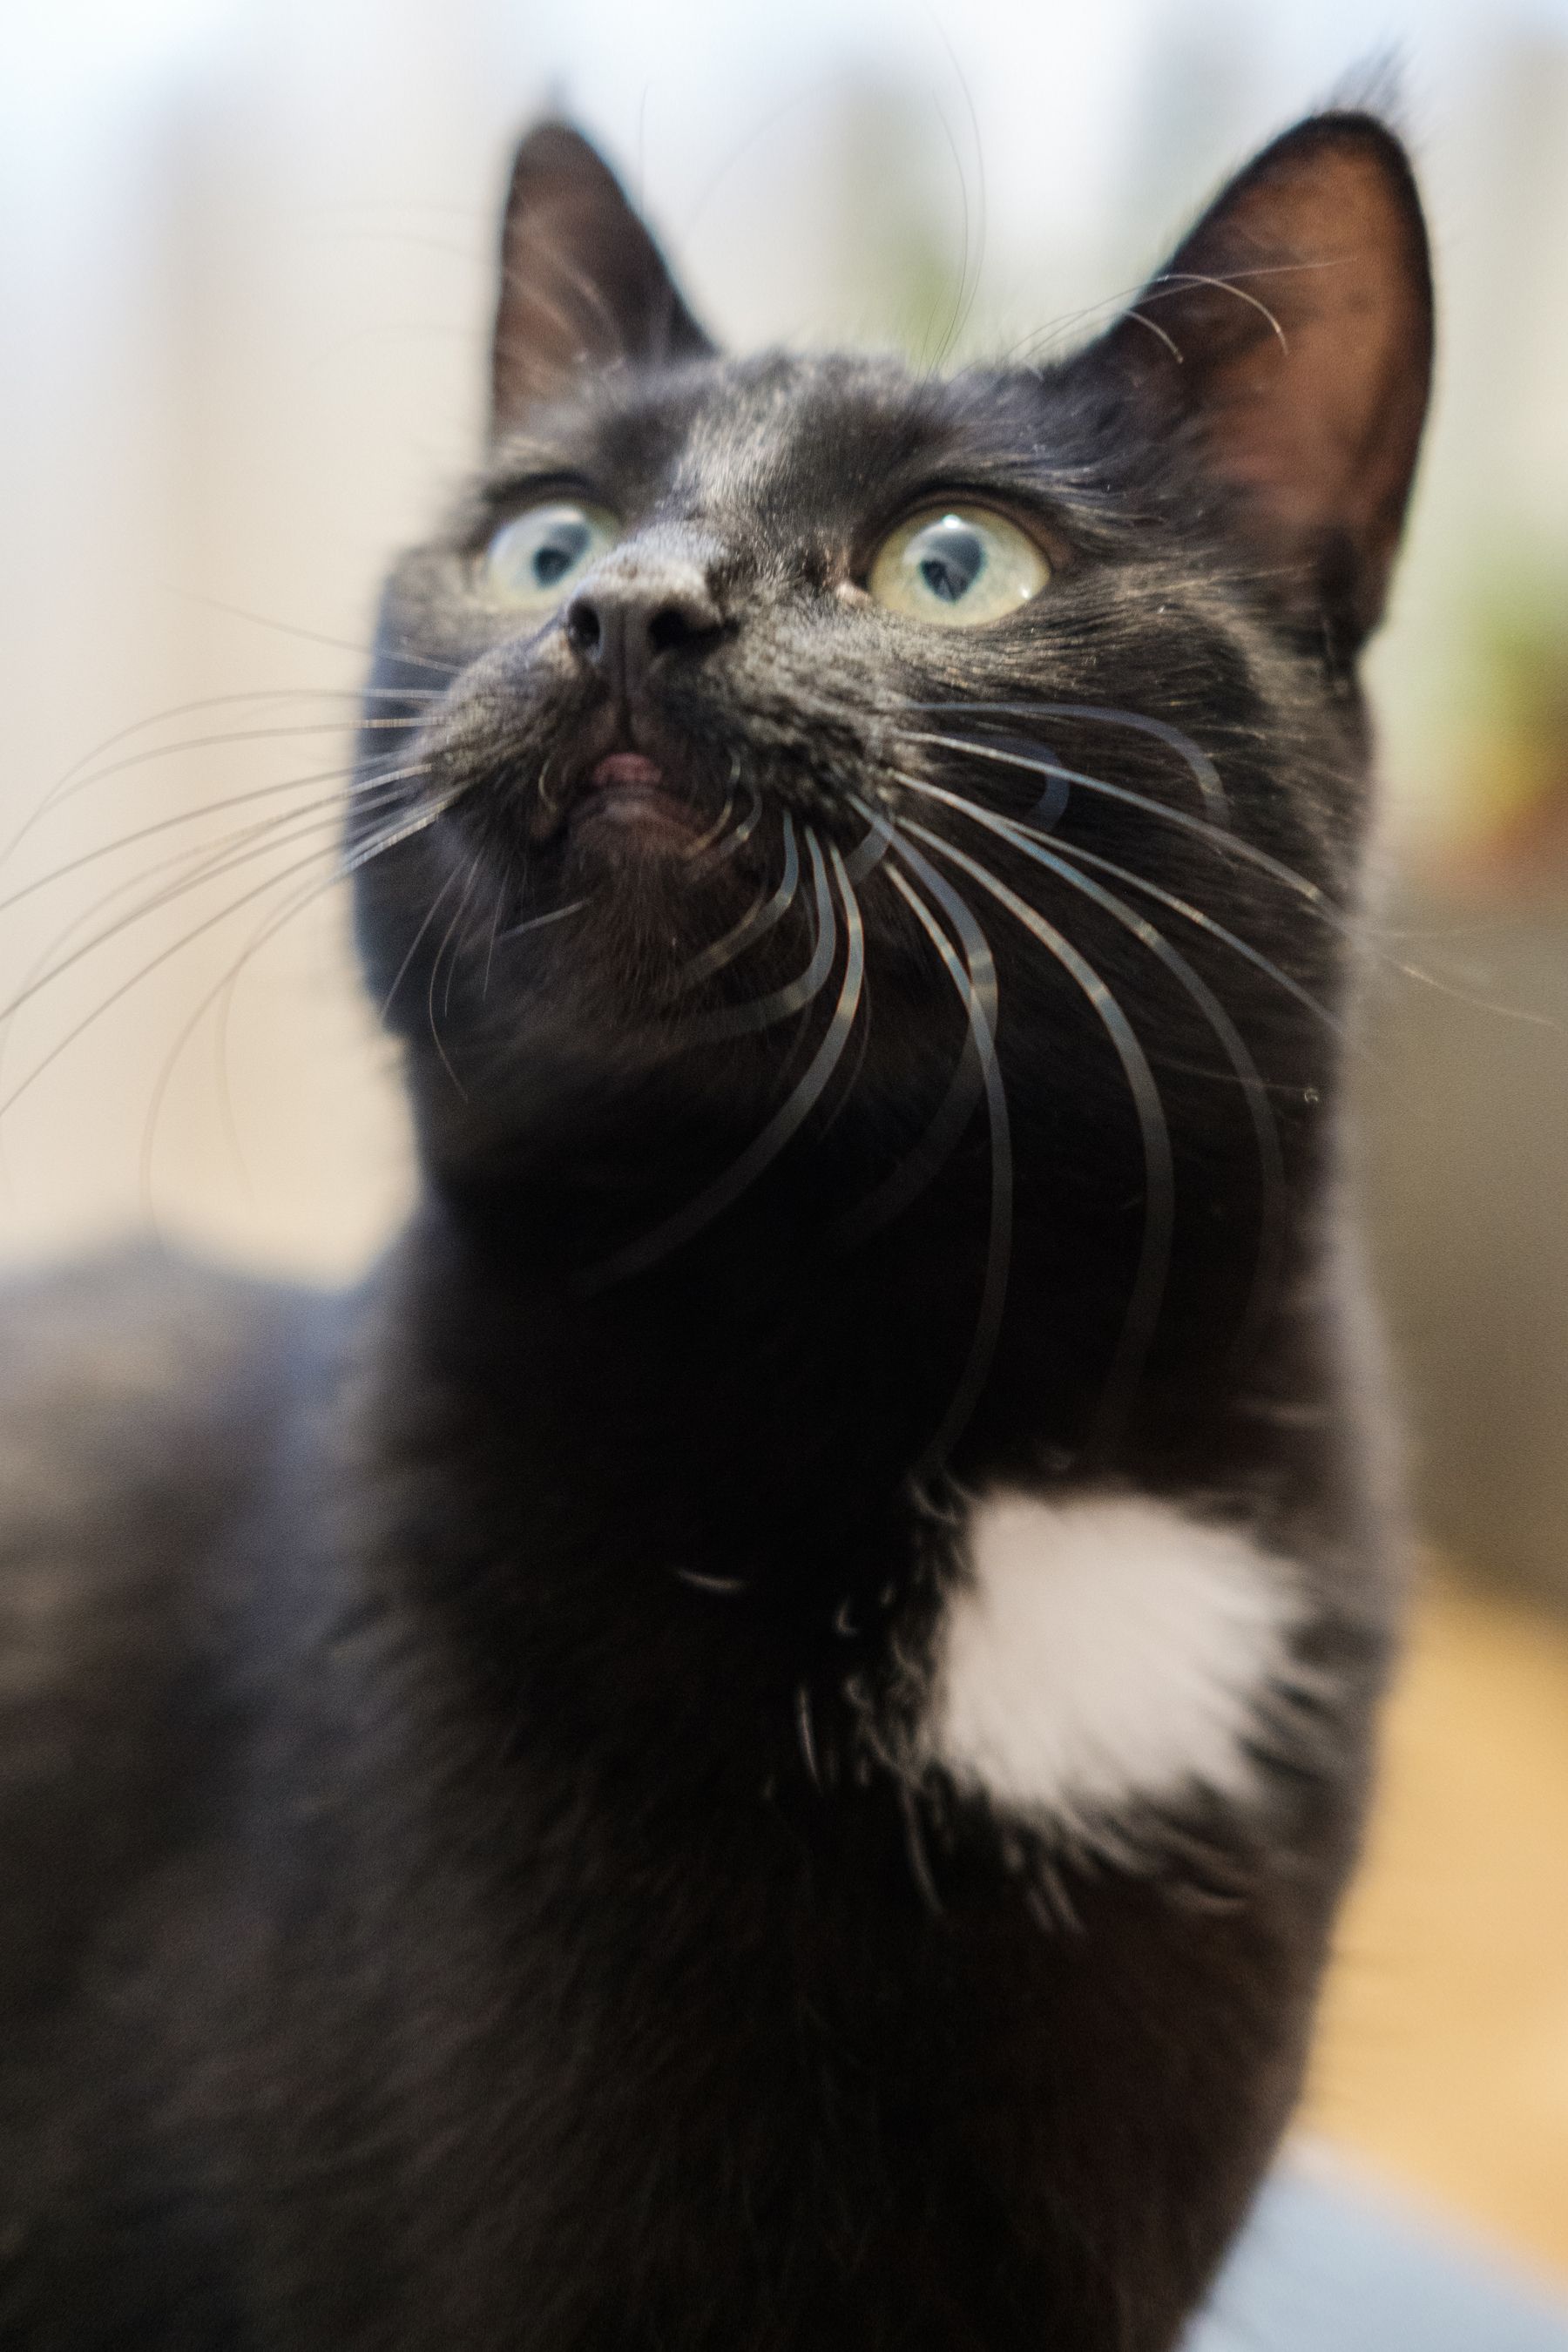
480 1869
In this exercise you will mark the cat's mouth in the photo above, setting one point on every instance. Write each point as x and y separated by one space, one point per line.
624 782
631 792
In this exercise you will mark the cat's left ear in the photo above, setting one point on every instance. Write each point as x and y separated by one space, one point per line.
582 284
1291 334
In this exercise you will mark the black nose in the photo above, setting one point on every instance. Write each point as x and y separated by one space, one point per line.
622 627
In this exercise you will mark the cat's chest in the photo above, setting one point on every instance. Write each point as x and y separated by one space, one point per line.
1100 1658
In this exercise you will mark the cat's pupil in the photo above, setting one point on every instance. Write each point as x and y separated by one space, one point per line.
954 561
561 552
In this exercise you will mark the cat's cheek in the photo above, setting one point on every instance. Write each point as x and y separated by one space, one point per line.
1112 1658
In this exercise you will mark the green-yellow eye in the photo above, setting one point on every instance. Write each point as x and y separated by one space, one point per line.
957 567
536 560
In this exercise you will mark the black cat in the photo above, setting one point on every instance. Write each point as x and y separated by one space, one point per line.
753 1745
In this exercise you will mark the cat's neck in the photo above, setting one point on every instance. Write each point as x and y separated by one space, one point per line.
752 1416
608 1514
717 1422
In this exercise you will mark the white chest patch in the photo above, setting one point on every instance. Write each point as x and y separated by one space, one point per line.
1106 1651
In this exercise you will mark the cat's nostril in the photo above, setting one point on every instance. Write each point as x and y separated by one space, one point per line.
674 625
621 629
585 630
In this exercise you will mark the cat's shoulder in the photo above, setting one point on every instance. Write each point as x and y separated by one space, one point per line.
141 1397
136 1376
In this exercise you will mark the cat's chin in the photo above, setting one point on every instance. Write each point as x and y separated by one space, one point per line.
596 1101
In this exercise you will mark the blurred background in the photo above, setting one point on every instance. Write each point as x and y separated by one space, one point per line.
246 253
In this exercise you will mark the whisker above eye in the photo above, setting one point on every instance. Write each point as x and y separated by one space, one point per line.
1170 281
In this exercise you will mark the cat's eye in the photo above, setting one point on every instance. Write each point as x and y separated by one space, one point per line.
537 558
957 567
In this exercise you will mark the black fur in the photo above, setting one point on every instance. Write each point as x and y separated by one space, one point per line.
473 1878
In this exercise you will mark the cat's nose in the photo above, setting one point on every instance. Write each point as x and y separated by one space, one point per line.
621 626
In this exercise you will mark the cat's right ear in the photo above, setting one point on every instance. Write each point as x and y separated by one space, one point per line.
582 285
1289 343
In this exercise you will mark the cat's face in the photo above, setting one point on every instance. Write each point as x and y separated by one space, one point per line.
801 769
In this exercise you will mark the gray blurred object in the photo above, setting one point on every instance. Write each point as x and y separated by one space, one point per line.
1464 1101
1328 2264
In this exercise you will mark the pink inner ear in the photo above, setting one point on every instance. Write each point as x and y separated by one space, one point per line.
1300 309
553 313
1304 413
583 283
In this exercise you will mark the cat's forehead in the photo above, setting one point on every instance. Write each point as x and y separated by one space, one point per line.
778 434
790 420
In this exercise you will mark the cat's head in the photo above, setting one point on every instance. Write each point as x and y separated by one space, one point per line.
796 785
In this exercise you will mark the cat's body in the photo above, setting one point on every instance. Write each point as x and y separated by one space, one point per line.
700 1763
